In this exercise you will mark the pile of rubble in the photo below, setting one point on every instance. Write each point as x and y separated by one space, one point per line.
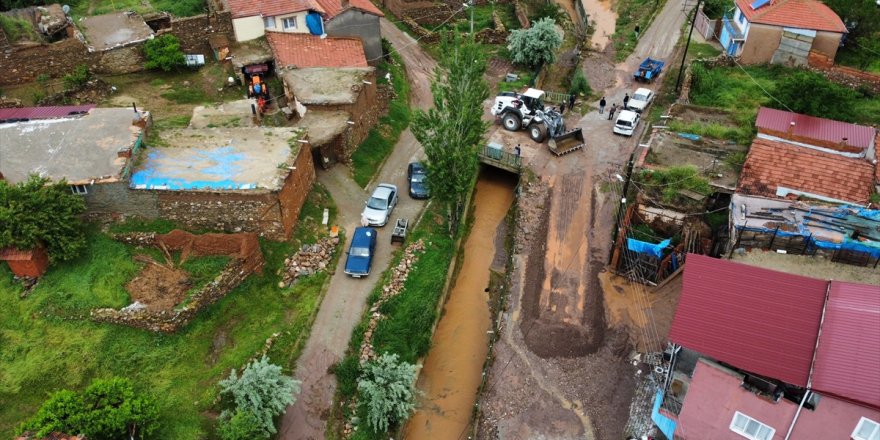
391 289
310 259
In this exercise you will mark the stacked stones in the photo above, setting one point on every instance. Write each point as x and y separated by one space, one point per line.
389 290
310 259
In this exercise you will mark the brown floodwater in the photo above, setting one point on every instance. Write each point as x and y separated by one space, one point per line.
603 18
452 372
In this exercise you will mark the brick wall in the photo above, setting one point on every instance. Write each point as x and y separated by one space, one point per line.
296 188
364 113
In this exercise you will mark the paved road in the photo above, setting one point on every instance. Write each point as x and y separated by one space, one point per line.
346 297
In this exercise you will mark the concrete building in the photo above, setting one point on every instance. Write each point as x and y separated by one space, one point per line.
765 355
227 179
92 151
339 18
781 31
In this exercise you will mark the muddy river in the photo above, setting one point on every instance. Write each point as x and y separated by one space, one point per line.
452 372
603 18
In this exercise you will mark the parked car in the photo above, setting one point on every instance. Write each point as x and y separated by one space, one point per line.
640 100
416 175
360 252
626 122
380 205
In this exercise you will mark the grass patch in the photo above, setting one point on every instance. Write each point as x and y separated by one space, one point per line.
44 350
409 317
632 13
186 96
367 159
515 86
742 92
178 8
714 130
154 138
667 184
482 18
703 50
17 29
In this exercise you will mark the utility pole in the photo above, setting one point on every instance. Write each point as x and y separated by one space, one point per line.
687 46
472 18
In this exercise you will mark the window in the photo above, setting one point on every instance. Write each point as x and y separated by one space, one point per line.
289 23
741 18
269 22
79 189
750 428
867 429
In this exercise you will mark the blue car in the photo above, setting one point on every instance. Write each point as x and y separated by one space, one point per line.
360 252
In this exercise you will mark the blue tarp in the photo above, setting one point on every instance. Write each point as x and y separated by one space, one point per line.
314 22
647 248
666 425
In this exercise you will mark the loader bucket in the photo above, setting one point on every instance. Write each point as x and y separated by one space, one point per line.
567 142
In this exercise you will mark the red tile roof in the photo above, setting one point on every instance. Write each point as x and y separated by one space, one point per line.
13 254
759 320
271 8
819 129
333 8
306 50
771 164
802 14
848 354
50 112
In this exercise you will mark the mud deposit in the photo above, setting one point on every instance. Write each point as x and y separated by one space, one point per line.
453 369
159 287
602 18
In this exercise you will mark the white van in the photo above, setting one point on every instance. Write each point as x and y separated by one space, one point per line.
626 123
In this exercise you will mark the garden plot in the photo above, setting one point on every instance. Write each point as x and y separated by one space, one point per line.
718 161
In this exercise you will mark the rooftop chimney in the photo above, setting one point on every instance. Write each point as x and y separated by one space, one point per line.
791 129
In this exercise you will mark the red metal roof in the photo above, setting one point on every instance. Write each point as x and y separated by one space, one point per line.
820 129
759 320
13 254
43 112
848 355
802 14
305 50
770 165
270 8
333 8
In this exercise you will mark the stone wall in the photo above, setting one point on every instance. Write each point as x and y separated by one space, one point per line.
247 258
25 62
364 113
193 32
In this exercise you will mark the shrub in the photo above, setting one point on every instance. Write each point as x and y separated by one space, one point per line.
262 390
164 53
78 78
242 425
108 409
579 84
387 391
813 94
36 213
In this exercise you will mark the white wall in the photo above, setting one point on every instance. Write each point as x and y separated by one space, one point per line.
248 28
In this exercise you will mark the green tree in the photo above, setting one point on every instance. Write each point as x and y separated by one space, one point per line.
536 45
109 409
715 9
35 212
387 391
861 17
262 390
164 53
452 131
810 93
242 425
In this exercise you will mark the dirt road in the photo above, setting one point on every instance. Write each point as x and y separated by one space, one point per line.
346 297
560 371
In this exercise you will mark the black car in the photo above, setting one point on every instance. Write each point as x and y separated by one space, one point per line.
416 175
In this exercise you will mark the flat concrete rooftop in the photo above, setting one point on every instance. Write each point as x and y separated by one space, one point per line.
218 159
78 149
326 86
324 126
107 31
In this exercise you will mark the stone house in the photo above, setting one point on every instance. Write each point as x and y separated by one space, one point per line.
342 18
764 355
781 31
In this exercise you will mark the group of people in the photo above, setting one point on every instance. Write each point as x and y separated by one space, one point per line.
570 104
614 106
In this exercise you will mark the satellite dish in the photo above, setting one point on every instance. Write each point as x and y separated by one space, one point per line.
66 9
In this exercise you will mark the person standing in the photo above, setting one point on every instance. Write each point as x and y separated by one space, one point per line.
562 108
571 101
626 101
517 150
637 31
602 105
611 111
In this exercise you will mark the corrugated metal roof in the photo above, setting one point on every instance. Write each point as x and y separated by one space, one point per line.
848 355
13 254
759 320
812 127
50 112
